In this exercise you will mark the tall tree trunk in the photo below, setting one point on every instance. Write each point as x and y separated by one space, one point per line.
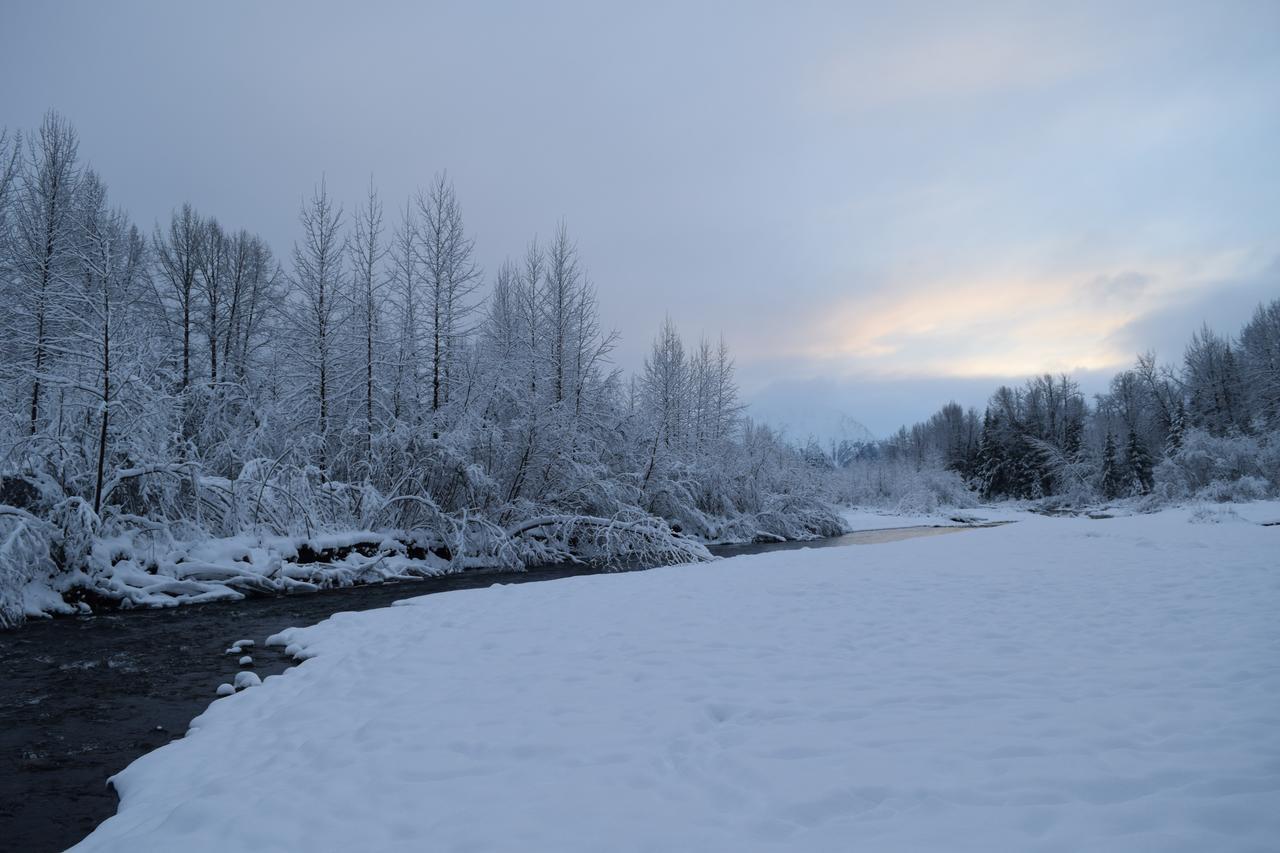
106 410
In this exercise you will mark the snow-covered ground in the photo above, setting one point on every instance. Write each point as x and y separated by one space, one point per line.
1054 684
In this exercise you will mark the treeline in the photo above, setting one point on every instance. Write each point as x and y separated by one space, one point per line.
1209 425
376 377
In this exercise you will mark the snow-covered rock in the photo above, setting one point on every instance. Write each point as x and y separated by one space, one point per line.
245 679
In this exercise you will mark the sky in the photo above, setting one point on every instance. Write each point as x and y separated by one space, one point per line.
880 206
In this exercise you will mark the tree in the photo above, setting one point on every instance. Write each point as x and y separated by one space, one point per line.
451 277
990 460
254 283
317 272
405 282
1138 462
177 254
529 302
560 296
1113 480
725 407
665 387
10 160
213 264
44 248
1177 428
1260 365
367 254
1213 384
113 255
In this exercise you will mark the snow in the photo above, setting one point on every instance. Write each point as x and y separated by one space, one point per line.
1055 684
136 572
246 660
247 679
225 689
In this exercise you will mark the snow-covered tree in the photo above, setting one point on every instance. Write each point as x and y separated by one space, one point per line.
177 253
367 296
1260 366
450 280
1138 464
1113 479
317 309
43 258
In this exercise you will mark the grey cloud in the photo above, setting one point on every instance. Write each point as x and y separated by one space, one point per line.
1225 306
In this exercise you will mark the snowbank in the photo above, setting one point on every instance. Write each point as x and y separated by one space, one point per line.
1055 684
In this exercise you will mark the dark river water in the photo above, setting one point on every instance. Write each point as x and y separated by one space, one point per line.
81 698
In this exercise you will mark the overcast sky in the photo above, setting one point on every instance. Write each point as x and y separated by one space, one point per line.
881 205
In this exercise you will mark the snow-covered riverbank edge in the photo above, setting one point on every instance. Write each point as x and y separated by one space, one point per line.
149 565
1055 684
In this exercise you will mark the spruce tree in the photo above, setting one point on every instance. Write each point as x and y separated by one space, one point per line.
1140 472
1177 429
1112 477
1072 435
990 462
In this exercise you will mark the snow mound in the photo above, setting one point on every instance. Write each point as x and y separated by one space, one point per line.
247 679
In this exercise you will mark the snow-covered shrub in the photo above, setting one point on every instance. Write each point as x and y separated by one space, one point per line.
1246 488
1209 465
1214 515
917 502
610 541
26 565
797 517
672 500
897 484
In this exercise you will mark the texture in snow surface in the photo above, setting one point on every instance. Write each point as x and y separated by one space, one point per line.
1055 684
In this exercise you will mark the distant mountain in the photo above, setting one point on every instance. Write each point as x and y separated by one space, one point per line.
811 420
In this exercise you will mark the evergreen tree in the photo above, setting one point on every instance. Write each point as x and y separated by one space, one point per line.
1026 478
1072 434
1140 469
1112 476
990 461
1177 428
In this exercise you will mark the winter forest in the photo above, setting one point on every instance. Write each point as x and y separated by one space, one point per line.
1205 426
643 427
184 406
190 414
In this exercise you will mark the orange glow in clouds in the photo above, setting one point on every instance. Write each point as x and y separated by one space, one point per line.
1015 325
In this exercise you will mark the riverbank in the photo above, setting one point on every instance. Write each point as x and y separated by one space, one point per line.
82 697
1059 683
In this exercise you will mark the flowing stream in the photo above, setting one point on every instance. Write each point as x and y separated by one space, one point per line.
81 698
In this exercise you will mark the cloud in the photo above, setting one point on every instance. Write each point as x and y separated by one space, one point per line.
1121 287
1224 305
959 59
1021 323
